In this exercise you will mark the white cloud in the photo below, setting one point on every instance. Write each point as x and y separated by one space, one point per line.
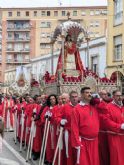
50 3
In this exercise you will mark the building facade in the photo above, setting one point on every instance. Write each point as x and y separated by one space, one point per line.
27 32
0 44
115 51
39 65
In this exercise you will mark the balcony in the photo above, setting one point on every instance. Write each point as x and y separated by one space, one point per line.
11 50
18 28
24 39
16 61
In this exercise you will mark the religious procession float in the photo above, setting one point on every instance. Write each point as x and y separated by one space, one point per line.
70 72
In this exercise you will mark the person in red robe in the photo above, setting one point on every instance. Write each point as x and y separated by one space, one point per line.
104 153
9 116
114 123
1 107
51 102
38 138
85 129
56 118
66 121
28 115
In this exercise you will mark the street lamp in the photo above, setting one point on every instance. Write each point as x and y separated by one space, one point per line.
52 46
87 38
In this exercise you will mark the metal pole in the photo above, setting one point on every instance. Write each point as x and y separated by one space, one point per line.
52 64
88 63
63 41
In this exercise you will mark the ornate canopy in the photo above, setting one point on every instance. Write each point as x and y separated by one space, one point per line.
69 27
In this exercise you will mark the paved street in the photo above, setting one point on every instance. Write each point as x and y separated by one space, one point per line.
11 155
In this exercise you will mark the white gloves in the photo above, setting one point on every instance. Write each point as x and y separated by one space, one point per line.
15 107
63 121
122 126
34 110
78 147
48 114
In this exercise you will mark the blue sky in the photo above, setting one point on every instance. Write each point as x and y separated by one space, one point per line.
50 3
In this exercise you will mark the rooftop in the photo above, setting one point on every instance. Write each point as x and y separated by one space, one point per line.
49 3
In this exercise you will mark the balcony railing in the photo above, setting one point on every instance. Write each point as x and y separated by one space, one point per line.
16 61
24 39
18 28
16 50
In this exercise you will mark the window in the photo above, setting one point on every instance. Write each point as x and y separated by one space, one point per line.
10 36
118 48
94 63
9 57
74 13
19 58
48 13
43 46
18 47
43 13
27 13
27 47
104 12
97 12
9 47
10 14
91 12
63 13
97 23
91 24
15 57
27 58
43 35
48 35
45 24
83 13
18 13
35 13
55 13
118 11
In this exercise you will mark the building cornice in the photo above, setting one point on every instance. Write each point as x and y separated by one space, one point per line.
53 8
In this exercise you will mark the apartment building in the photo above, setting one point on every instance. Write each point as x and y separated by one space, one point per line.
27 32
0 44
115 53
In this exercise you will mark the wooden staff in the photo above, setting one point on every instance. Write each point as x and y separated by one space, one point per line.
4 111
22 129
15 127
32 138
29 144
47 131
44 135
25 135
8 120
58 145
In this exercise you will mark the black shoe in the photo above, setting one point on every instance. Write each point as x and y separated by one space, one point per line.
35 156
49 164
46 162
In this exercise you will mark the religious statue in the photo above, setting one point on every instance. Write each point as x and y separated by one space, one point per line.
69 51
72 60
